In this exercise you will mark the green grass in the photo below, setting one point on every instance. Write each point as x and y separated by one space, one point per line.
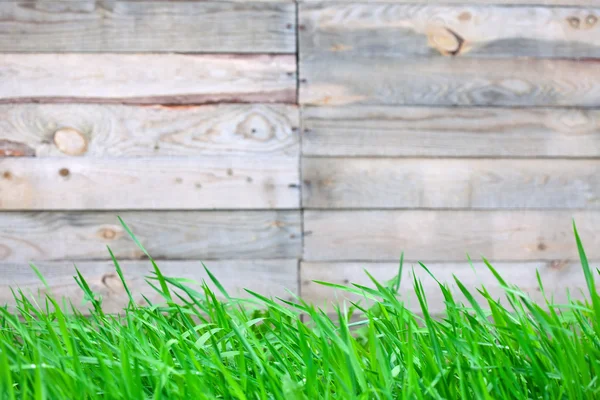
200 345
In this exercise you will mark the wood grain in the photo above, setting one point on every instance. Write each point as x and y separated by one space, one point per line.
111 26
450 183
382 235
193 235
450 81
450 132
459 2
147 78
372 30
213 182
268 277
140 131
558 278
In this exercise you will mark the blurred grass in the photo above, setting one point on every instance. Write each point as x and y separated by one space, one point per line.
198 344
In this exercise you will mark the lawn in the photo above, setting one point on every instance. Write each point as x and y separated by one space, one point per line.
198 344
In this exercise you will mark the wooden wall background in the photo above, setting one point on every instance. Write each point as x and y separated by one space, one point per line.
283 142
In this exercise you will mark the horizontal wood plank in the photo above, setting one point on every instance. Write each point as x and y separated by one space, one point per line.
446 81
213 182
267 277
382 235
372 30
193 235
558 278
147 78
450 132
460 2
156 26
106 130
450 183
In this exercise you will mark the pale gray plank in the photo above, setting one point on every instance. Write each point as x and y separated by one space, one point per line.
335 80
459 2
448 235
211 182
450 132
155 26
101 130
268 277
559 278
450 183
147 78
373 30
197 235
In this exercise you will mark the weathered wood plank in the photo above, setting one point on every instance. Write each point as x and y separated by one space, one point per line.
156 26
460 2
448 235
558 277
450 132
137 131
147 78
372 30
193 235
450 81
269 277
215 182
450 183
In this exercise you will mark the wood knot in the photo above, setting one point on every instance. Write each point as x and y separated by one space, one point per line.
7 175
229 172
64 172
446 41
558 265
70 141
574 22
464 16
8 148
542 246
591 20
107 233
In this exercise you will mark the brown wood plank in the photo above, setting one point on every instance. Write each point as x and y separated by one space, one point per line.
450 82
104 130
147 78
558 278
448 235
268 277
450 132
156 26
373 30
450 183
215 182
191 235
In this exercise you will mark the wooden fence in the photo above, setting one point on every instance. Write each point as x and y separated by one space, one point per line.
283 142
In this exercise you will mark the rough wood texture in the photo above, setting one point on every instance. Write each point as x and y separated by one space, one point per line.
269 277
448 235
111 26
558 277
116 130
450 132
459 2
35 236
450 81
214 182
369 30
450 183
147 78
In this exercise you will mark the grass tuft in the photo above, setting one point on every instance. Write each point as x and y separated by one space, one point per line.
203 345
